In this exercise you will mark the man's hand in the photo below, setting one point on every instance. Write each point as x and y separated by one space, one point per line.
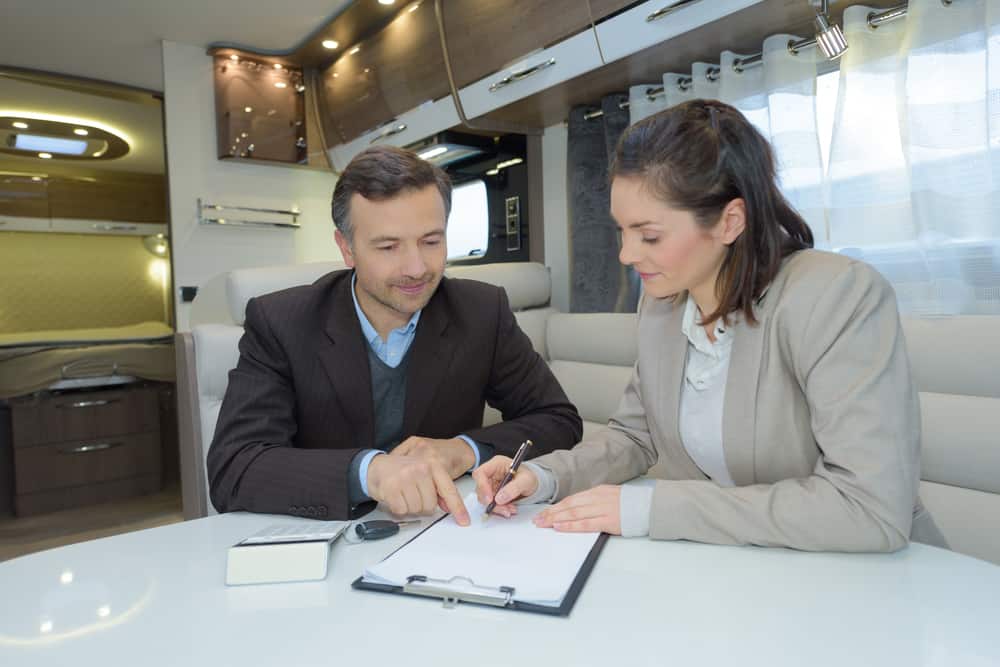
488 477
454 454
414 485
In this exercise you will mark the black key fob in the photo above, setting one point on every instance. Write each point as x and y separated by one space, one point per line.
376 530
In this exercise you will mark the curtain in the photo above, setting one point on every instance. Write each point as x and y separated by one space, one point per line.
598 281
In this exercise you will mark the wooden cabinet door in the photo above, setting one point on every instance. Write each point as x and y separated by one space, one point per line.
486 35
394 71
600 9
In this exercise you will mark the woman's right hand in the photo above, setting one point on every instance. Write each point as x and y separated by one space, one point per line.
488 477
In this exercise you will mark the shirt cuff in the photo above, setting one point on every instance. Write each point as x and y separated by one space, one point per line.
636 505
546 490
366 460
475 450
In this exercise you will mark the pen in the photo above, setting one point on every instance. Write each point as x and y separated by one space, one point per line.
514 465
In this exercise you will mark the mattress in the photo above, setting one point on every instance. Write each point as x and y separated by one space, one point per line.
30 362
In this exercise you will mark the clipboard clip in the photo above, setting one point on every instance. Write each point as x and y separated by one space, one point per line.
458 589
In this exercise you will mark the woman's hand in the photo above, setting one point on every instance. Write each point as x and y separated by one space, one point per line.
591 511
488 477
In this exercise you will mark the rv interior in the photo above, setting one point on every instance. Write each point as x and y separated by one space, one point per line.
162 164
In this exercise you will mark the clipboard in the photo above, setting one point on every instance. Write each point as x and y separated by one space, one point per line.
462 589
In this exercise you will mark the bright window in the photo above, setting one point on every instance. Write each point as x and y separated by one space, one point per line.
469 222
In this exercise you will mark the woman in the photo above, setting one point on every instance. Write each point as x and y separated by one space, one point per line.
772 379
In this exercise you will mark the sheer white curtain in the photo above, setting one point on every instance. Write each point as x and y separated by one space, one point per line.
912 183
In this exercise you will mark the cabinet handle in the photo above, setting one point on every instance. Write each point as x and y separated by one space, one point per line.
523 74
669 9
104 227
395 129
86 449
90 404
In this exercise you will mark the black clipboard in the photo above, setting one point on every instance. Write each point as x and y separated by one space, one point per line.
502 597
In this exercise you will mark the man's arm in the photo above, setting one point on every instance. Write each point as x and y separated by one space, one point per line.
523 388
252 463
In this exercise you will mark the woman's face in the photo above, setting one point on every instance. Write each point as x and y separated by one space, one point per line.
666 246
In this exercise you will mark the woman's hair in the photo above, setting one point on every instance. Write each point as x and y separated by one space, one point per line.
699 156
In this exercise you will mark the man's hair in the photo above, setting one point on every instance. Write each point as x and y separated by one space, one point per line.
383 172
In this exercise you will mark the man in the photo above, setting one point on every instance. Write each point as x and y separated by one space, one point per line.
369 385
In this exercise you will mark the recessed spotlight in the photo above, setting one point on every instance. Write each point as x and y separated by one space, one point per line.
386 2
244 135
248 109
80 132
280 84
354 50
336 75
277 65
19 125
234 57
330 43
36 179
45 156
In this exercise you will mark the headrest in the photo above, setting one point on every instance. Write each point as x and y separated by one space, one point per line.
244 284
527 284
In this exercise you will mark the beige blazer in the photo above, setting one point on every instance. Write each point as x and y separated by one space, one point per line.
821 422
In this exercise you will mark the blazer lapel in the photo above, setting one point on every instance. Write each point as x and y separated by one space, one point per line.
739 412
345 360
429 360
673 347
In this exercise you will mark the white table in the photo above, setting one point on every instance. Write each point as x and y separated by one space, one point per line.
157 597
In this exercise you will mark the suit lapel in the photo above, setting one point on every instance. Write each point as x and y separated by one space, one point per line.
739 412
345 359
429 359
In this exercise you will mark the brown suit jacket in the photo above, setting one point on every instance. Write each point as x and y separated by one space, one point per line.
299 406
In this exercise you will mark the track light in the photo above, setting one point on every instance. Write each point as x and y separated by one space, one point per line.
829 37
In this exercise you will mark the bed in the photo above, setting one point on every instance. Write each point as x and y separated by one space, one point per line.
72 358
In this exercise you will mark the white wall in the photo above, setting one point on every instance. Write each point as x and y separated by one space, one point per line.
556 213
200 251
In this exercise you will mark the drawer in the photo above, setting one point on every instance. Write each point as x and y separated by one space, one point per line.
656 21
414 125
84 415
77 496
48 467
561 62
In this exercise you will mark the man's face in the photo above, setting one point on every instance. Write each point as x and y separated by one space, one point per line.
398 251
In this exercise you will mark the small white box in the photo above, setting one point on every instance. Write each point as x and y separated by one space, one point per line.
283 553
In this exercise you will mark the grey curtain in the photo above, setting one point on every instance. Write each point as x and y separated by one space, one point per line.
599 283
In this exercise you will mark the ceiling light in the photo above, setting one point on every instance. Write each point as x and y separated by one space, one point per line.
280 84
330 43
434 152
829 37
354 50
248 109
19 125
36 178
80 132
34 142
53 127
277 65
386 2
414 7
234 57
45 156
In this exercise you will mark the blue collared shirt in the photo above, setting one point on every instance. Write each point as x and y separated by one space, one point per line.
391 352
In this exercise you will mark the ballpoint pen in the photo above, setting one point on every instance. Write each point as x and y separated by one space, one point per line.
514 465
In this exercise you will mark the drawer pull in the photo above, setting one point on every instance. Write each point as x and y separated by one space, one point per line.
523 74
668 10
90 404
395 129
86 449
105 227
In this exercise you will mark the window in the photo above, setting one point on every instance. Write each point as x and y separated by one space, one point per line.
469 221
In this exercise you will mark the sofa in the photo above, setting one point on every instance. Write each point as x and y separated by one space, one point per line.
955 361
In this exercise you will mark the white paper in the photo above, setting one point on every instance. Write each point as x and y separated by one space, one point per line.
539 563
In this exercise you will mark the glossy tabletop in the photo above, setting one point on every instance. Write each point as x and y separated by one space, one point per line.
157 597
